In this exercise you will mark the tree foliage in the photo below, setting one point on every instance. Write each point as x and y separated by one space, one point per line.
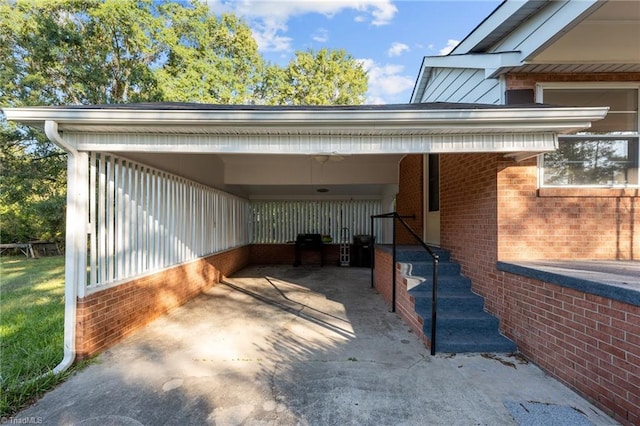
32 186
71 52
326 77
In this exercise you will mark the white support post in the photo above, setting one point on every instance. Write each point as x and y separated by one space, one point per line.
76 248
77 221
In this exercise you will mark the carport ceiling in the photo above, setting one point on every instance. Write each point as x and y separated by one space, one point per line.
274 176
352 176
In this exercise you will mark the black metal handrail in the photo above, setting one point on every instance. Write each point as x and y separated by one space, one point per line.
434 256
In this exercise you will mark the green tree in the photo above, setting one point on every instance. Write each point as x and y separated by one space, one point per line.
326 77
71 52
209 59
32 186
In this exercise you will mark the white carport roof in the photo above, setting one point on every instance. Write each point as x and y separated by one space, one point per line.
374 129
270 149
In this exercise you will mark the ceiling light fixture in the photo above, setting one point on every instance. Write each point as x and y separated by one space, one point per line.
331 156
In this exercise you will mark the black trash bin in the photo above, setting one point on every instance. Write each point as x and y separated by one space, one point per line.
362 250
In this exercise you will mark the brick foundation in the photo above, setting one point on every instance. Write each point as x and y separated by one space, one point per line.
107 316
590 343
284 254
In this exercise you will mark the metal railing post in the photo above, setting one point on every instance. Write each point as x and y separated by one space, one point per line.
436 259
373 253
434 305
393 268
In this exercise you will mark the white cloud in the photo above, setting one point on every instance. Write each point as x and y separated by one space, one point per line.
397 49
321 35
383 14
387 83
268 18
451 44
268 37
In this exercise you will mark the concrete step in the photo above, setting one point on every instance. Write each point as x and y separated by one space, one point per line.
462 323
464 341
467 332
425 269
418 253
447 285
450 303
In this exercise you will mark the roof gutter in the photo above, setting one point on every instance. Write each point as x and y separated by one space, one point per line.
71 255
453 120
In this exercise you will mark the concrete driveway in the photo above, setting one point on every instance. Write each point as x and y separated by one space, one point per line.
307 346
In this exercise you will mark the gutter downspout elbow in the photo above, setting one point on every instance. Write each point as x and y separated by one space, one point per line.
51 130
71 285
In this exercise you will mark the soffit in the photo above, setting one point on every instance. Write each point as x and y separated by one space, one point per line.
604 41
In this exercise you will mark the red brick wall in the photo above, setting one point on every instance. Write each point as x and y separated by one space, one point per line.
564 223
590 343
284 254
382 279
529 80
105 317
409 200
468 221
494 211
405 304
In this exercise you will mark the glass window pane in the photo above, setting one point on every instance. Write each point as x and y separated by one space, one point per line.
592 161
615 123
615 99
622 103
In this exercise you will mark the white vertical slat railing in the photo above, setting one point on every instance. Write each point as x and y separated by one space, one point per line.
281 221
143 219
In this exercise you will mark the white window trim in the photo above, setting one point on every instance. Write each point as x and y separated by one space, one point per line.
539 94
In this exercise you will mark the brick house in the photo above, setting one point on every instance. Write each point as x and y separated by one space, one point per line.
491 157
522 226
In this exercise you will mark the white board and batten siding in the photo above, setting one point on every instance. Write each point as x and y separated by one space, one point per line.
281 221
142 220
465 85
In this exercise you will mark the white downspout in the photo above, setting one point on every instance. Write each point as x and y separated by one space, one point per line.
76 239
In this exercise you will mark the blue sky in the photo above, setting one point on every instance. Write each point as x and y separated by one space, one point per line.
389 37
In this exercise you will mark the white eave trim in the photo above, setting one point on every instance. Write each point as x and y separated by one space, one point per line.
352 132
490 62
491 23
268 122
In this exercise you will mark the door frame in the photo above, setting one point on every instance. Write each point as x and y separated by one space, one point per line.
431 218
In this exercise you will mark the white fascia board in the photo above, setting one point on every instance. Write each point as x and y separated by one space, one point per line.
490 62
489 25
327 121
548 25
420 84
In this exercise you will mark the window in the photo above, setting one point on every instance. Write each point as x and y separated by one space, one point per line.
605 154
434 182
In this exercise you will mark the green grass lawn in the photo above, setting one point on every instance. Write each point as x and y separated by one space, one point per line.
31 328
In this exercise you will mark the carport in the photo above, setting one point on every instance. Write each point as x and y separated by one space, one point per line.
166 199
301 346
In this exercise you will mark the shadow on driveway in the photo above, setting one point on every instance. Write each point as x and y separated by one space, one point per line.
287 346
